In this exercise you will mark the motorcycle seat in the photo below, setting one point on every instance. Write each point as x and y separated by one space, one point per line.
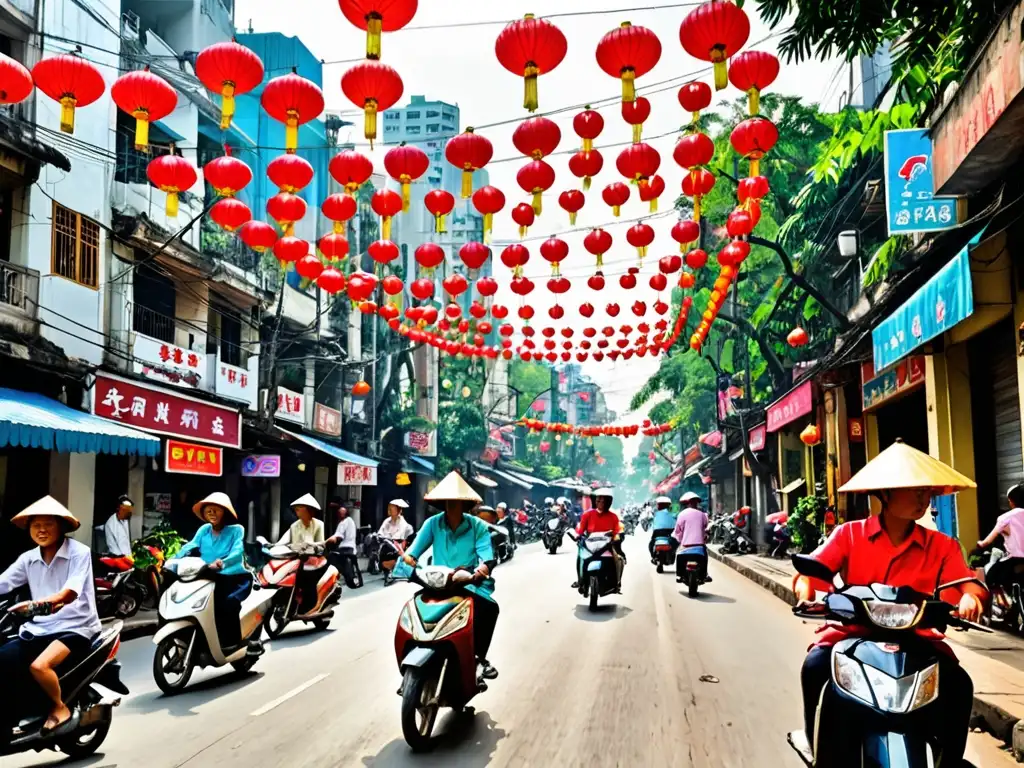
696 550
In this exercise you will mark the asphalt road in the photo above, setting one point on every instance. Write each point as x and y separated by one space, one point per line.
654 679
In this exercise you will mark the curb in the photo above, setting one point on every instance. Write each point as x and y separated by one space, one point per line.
991 717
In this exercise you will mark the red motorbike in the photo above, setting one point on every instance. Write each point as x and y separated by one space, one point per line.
121 588
282 573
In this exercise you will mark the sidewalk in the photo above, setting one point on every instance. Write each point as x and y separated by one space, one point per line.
995 661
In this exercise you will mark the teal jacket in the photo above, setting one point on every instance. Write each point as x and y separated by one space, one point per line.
228 545
467 546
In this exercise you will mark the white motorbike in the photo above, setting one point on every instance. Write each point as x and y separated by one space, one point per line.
188 634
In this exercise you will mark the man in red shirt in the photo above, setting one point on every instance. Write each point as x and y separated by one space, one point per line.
893 549
601 519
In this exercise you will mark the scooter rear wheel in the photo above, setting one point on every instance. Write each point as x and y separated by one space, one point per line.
84 743
418 715
170 654
277 619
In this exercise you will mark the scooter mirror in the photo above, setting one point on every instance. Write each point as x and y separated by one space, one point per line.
807 566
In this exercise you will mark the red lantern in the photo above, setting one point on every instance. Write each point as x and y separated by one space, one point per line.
392 285
289 249
331 280
537 137
797 337
669 264
650 190
752 72
713 32
531 47
638 162
230 213
636 113
383 251
739 223
339 208
627 53
15 81
292 100
572 201
523 215
361 286
455 284
422 289
386 204
695 96
588 126
554 250
488 201
685 232
515 257
811 435
350 169
309 267
171 174
227 174
640 236
696 184
488 286
376 16
373 87
468 152
429 255
334 246
536 178
440 204
405 164
752 188
696 259
474 255
615 194
289 173
147 98
72 81
229 69
694 150
586 165
258 235
734 253
286 209
598 242
752 139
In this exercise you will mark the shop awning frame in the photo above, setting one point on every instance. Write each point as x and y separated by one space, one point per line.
416 465
528 478
794 486
700 465
32 420
506 476
483 480
331 450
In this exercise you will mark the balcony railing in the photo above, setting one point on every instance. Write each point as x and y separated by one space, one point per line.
151 323
223 245
19 289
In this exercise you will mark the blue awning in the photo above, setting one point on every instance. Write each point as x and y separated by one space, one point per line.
32 420
331 450
419 466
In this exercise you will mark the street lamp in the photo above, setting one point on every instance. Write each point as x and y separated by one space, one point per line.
849 243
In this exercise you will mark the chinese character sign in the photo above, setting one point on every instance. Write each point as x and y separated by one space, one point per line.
326 420
356 474
910 201
157 410
193 459
291 406
168 363
237 383
790 407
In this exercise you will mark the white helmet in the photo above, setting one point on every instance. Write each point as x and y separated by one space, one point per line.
563 501
604 493
663 500
689 496
549 501
502 505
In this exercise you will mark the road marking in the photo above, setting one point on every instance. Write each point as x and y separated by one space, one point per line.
291 694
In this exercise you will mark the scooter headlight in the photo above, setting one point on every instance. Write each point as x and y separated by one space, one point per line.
405 619
892 694
892 615
552 524
849 676
927 687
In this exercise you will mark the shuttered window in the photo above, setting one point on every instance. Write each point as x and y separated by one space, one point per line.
75 249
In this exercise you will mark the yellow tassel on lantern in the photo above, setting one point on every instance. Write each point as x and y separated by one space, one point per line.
171 206
754 101
288 228
373 29
338 227
615 210
537 201
530 86
696 207
370 120
67 114
721 68
628 77
654 205
641 253
439 226
488 226
586 183
554 269
467 183
695 117
600 260
291 132
638 131
522 232
755 166
227 105
588 145
406 192
572 218
385 228
141 130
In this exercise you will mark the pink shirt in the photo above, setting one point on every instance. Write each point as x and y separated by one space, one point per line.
1011 525
690 527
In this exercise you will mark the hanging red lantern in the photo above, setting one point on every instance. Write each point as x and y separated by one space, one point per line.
515 257
669 264
15 81
228 69
598 242
752 188
289 173
292 100
392 285
694 97
588 126
627 53
71 81
797 338
350 169
422 289
230 213
386 204
615 194
572 201
258 235
309 267
638 162
636 113
752 139
286 209
537 137
488 201
373 87
586 165
227 174
739 223
474 255
455 284
339 208
694 150
713 32
524 215
383 251
334 246
650 190
289 249
554 250
488 286
331 280
734 253
376 16
685 232
696 259
405 164
810 435
535 178
439 203
752 72
530 48
640 236
429 255
147 98
171 174
468 152
361 285
696 184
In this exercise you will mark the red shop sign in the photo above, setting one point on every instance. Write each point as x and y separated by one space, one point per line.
758 437
791 406
194 459
156 410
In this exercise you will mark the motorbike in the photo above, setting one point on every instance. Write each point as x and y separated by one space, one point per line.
691 568
434 650
645 523
91 711
281 573
597 576
878 708
664 552
1007 603
735 541
554 530
347 564
188 638
122 589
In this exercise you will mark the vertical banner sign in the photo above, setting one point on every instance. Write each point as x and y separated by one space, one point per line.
910 201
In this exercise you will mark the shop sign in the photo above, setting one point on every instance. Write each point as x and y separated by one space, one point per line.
855 429
168 363
326 420
236 383
692 455
193 459
758 437
356 474
156 410
910 201
790 407
936 307
291 406
903 377
261 466
417 441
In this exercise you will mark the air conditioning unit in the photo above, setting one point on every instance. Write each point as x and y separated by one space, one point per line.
130 25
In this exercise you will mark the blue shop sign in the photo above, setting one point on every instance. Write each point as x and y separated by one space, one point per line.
910 202
936 307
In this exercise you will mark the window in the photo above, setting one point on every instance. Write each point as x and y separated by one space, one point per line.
390 129
432 113
76 247
412 115
131 164
231 351
390 115
433 128
411 129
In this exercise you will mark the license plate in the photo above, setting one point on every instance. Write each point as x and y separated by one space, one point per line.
662 548
691 566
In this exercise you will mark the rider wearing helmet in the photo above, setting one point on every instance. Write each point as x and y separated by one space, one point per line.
691 529
664 522
601 519
892 549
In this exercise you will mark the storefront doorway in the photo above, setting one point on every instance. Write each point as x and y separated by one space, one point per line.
906 419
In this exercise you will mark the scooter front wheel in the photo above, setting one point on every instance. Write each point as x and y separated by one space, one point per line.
84 743
277 618
595 592
172 662
419 707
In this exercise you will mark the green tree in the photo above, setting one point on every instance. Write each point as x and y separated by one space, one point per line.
529 379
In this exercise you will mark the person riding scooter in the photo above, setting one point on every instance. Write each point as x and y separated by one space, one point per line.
664 522
395 533
1009 525
892 549
307 529
691 530
601 519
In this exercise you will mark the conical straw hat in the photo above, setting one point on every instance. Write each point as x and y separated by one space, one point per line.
218 499
453 488
902 466
46 506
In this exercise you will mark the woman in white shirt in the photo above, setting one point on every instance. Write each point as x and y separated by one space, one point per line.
397 531
307 529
